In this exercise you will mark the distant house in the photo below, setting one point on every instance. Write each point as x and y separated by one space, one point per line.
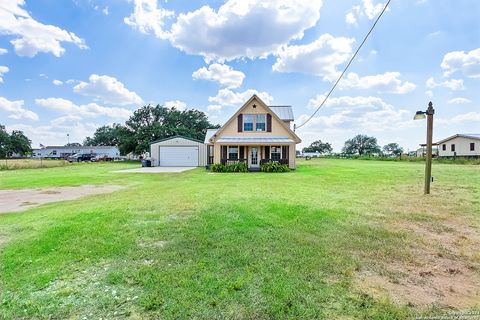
422 151
311 154
460 145
62 152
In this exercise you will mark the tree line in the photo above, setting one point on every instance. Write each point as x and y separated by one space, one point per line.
14 143
359 145
148 124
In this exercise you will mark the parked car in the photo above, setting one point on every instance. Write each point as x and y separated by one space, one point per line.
81 157
101 157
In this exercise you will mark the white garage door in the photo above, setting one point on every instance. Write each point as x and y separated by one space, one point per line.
178 156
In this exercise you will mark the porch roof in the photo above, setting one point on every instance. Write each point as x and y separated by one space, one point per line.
256 140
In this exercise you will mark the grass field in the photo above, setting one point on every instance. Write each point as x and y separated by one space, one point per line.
336 239
15 164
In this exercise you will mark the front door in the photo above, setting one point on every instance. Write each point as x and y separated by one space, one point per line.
253 161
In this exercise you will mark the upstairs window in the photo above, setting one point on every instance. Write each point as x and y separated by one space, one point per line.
260 122
472 146
444 147
452 147
232 153
248 122
275 153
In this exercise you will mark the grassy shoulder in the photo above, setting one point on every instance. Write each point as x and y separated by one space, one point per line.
243 245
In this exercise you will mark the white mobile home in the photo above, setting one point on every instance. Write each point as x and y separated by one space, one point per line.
460 145
61 152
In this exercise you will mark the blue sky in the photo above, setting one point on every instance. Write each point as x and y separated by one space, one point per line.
71 66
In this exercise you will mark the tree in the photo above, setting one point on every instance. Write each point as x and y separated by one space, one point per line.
361 144
4 142
151 123
19 143
319 146
106 136
393 149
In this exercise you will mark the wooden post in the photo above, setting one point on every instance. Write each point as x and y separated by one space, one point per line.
428 163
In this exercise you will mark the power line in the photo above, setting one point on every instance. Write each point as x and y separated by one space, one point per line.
348 65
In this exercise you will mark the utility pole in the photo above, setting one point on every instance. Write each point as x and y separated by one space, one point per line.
428 164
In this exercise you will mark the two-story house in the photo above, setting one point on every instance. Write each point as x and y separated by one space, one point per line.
255 134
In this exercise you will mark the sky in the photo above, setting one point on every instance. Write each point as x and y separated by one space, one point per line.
70 66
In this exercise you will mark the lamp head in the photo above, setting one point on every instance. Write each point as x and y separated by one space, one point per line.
419 115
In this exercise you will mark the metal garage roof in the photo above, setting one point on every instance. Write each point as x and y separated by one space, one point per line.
237 139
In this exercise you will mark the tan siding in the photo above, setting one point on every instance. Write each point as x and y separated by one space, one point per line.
277 128
292 156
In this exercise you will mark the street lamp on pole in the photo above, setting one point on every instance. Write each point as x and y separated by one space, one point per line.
428 163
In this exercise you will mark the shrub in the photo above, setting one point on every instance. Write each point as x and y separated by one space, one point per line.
273 166
234 167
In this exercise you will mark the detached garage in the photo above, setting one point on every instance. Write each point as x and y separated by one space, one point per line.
178 152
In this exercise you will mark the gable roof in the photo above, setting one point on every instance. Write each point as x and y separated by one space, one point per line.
462 135
283 112
274 115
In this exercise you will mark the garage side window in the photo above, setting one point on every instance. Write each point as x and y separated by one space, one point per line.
444 147
233 153
452 147
472 146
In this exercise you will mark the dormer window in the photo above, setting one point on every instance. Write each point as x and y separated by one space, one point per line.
260 122
248 122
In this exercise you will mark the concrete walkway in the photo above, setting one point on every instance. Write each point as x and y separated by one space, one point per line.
157 170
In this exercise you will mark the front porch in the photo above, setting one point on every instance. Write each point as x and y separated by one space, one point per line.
252 155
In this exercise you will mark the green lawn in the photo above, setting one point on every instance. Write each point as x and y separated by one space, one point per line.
315 243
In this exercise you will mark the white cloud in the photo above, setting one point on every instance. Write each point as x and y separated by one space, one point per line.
459 101
238 29
320 57
467 117
57 82
226 97
107 89
16 109
388 82
87 110
148 17
221 73
367 9
214 107
350 18
453 84
467 63
3 70
32 36
3 51
429 93
177 104
105 11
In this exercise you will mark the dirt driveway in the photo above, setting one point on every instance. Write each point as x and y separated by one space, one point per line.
19 200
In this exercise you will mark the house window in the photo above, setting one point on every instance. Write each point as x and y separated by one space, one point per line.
452 147
54 152
232 153
444 147
472 146
248 122
275 153
260 122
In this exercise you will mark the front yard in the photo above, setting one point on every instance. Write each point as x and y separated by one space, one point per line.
336 239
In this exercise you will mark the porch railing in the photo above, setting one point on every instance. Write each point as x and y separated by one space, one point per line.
281 161
232 161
